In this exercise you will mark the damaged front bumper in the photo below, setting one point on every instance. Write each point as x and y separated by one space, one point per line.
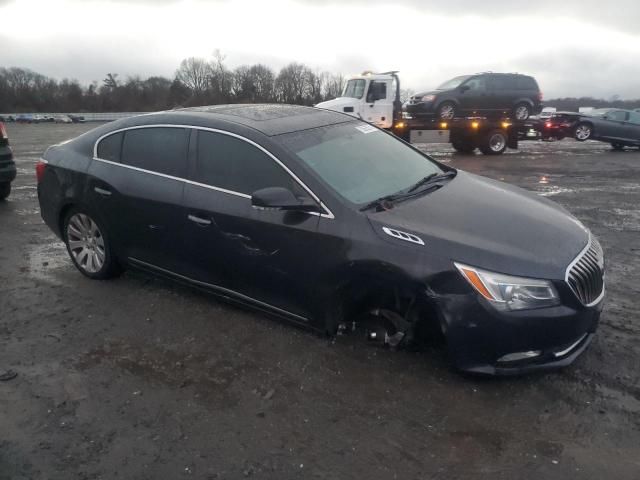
482 340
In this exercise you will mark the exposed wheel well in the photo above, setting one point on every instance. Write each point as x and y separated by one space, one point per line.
365 293
63 214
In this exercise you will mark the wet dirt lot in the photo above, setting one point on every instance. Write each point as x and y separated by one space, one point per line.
138 378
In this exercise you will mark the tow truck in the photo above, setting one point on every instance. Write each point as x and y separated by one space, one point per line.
375 98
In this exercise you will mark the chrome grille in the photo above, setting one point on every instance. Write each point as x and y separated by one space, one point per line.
585 275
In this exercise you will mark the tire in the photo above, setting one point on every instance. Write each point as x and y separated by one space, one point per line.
463 147
447 111
617 147
583 132
89 246
494 143
522 111
5 190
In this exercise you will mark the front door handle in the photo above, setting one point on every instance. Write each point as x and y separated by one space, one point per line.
199 220
102 191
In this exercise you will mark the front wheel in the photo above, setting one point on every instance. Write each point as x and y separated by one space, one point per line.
5 190
522 111
88 245
495 143
447 111
583 132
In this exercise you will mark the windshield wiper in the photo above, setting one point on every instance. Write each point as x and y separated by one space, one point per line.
380 202
431 178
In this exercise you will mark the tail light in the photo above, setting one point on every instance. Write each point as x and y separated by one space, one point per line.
3 131
540 96
41 166
548 125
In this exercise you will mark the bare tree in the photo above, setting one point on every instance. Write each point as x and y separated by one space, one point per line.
195 74
111 81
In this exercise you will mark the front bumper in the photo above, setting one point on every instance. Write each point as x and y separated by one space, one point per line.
479 337
420 109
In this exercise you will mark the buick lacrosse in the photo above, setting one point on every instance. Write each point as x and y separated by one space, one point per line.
329 222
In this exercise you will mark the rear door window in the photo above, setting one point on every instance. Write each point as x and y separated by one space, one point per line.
634 117
110 147
158 149
526 83
233 164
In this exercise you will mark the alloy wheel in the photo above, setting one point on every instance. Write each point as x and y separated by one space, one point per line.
447 112
522 112
583 132
86 243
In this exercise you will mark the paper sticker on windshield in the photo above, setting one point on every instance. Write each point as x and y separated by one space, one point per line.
366 128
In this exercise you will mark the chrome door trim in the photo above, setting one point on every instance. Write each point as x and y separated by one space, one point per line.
221 290
328 213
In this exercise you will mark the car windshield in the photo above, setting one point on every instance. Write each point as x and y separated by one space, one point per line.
358 161
354 88
453 83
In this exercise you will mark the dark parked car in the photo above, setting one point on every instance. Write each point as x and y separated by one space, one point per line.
620 128
501 94
325 220
560 125
7 166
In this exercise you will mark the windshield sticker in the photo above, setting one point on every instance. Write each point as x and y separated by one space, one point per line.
366 128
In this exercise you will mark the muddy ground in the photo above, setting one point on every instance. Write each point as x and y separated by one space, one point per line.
137 378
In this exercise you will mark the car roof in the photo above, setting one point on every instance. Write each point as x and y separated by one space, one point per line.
270 119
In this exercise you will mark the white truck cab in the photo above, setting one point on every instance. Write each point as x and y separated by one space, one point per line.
372 97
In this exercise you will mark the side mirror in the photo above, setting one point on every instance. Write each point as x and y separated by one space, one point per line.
464 88
279 198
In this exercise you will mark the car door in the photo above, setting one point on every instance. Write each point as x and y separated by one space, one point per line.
614 126
634 126
260 254
474 96
378 108
150 194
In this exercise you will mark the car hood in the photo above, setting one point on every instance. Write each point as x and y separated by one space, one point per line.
491 225
337 104
431 92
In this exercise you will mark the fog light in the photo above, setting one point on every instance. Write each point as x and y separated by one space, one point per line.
514 357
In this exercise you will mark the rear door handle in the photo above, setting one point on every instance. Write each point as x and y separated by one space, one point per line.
102 191
199 220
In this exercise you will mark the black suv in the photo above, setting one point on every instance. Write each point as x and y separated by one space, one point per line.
7 167
503 94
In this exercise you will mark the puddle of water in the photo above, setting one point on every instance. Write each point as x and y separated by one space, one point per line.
548 191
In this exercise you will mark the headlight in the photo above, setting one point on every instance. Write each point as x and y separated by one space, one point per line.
510 293
428 98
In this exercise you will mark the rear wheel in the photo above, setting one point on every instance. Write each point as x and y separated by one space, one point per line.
447 111
88 245
495 143
5 190
583 132
522 111
463 147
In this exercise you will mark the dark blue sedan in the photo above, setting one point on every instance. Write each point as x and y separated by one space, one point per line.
620 128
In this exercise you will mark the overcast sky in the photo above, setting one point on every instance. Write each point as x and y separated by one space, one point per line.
573 47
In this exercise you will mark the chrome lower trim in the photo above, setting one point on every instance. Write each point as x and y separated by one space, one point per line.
220 290
562 353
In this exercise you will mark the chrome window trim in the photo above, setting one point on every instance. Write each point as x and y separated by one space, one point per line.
221 290
328 213
576 260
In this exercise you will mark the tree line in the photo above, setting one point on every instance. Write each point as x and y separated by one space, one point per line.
197 81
